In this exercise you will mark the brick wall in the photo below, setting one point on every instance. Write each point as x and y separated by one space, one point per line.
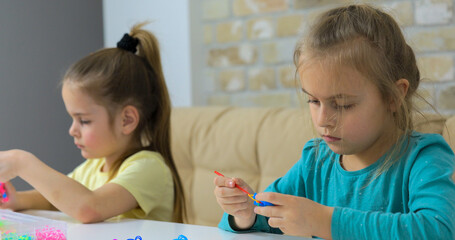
248 45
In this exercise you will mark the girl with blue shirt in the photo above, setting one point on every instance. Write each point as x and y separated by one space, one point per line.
369 175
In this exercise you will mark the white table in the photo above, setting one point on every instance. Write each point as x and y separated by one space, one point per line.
148 230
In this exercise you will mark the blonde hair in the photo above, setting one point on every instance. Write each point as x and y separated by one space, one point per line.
115 78
370 42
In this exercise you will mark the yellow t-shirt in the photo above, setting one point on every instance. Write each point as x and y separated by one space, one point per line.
144 175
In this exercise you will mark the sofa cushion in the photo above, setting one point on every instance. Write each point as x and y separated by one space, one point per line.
449 132
255 144
429 123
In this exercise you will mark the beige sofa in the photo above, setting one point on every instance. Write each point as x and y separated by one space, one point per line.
256 144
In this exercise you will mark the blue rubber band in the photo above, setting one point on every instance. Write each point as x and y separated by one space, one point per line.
181 237
263 203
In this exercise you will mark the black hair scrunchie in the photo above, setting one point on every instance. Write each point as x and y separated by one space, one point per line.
128 43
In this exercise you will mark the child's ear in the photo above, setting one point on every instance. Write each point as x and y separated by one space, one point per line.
403 87
130 119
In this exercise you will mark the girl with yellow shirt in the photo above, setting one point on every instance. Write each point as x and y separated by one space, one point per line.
120 106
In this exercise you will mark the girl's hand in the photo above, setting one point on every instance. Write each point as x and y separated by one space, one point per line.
296 216
10 163
235 202
12 197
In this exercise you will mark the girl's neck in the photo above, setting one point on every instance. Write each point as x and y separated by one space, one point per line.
109 162
352 163
364 159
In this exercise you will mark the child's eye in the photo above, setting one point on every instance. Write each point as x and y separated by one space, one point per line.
344 107
82 122
311 101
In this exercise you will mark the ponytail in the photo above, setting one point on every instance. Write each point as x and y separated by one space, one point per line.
158 128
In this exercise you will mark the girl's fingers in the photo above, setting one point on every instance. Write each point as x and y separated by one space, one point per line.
232 208
224 182
219 181
270 211
276 223
233 200
240 182
273 197
224 192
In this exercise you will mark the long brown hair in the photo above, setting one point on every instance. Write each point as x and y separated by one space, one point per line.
371 42
115 78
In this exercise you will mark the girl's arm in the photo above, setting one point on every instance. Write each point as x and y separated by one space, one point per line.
66 194
32 200
430 212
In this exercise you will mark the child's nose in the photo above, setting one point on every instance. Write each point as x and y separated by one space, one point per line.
73 131
326 118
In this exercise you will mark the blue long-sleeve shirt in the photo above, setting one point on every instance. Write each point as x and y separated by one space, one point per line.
414 199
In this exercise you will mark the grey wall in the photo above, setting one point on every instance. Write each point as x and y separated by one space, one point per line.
38 42
199 84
